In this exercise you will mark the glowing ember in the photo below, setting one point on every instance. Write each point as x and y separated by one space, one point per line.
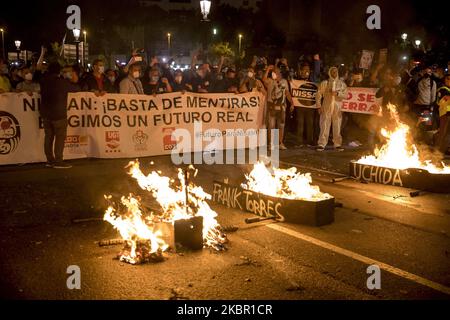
141 229
283 183
397 153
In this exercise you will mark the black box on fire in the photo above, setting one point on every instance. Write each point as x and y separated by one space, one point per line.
313 213
187 233
408 178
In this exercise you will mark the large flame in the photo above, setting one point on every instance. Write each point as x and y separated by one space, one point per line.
283 183
136 227
398 153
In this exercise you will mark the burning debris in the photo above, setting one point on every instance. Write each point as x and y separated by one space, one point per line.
184 211
398 153
278 194
283 183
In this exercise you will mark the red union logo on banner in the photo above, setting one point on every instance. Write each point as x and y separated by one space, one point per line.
168 142
112 139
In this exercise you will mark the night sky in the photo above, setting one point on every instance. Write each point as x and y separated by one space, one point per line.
40 22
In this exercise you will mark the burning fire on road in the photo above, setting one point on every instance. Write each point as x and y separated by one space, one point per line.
147 233
283 183
397 153
399 163
278 194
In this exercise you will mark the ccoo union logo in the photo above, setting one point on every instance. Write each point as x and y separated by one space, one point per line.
9 133
168 142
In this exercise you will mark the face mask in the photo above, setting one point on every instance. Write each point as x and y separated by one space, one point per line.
29 77
112 79
397 80
178 79
274 76
155 79
68 75
250 74
136 74
101 69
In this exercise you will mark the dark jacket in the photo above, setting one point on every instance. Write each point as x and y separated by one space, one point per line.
89 83
54 90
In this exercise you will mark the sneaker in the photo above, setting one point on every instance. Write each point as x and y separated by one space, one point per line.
62 165
49 164
320 148
340 149
283 147
300 146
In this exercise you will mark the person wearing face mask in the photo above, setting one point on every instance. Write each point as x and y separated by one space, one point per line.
331 90
304 116
54 92
201 77
132 83
426 88
179 83
28 85
423 106
111 78
5 84
96 80
277 96
156 84
250 84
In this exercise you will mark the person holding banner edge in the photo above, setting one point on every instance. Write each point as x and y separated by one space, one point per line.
54 91
330 91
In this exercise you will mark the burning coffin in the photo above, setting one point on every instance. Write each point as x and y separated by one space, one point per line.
399 163
283 194
414 178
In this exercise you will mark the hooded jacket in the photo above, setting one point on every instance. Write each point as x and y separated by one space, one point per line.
325 91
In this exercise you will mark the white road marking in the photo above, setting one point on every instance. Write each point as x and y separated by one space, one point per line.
353 255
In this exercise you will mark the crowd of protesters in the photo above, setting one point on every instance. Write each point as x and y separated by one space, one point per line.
421 94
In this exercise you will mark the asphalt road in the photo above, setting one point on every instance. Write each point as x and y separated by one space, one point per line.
408 238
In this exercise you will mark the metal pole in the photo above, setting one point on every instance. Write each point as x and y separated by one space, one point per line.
77 52
240 43
3 44
84 48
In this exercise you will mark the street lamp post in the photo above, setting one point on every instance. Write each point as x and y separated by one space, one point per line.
404 36
3 43
84 47
169 43
417 43
76 35
240 44
205 7
18 43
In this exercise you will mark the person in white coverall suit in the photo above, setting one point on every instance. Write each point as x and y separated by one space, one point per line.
331 91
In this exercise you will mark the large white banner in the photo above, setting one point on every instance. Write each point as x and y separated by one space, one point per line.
361 100
123 126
